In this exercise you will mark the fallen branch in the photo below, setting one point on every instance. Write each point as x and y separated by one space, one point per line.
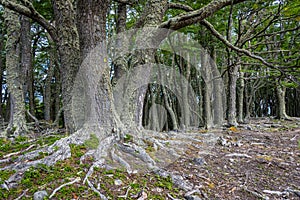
255 193
95 190
63 185
126 194
172 198
238 155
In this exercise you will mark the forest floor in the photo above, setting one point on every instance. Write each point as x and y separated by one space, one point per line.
258 160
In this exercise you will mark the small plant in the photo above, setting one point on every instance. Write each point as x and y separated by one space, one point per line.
128 138
92 142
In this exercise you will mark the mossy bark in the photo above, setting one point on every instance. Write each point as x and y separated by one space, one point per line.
17 123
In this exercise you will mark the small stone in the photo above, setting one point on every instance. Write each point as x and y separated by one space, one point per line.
118 182
40 195
192 197
199 161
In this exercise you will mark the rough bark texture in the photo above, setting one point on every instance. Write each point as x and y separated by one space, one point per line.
241 98
218 92
197 15
119 63
47 90
26 62
232 78
17 122
68 46
208 88
280 89
94 72
1 72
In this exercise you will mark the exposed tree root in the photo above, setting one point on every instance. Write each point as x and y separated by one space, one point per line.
146 150
64 185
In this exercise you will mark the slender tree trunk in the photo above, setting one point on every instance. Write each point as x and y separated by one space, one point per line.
48 84
26 63
17 122
185 94
281 90
1 74
241 98
218 113
207 77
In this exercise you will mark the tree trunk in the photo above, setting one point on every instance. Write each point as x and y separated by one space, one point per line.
68 47
26 63
241 98
208 87
17 122
48 84
280 89
218 91
1 74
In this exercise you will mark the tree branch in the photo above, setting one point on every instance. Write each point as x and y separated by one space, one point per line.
245 52
193 17
180 6
128 2
31 13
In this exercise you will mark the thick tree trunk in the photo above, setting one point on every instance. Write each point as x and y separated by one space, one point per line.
68 46
94 77
17 122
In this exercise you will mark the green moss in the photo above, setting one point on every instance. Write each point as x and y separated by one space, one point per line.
164 183
128 138
5 174
92 142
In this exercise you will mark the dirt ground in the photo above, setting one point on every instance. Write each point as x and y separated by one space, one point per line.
259 160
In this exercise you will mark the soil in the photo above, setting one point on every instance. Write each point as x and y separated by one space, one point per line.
259 160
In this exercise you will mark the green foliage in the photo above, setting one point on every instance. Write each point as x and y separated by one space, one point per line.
92 142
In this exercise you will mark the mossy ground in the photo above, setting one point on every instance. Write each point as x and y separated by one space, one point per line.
48 178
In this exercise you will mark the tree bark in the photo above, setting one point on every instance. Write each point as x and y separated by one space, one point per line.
26 63
281 90
218 92
241 98
17 123
68 47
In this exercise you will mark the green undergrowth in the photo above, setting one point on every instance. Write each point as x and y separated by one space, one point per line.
112 183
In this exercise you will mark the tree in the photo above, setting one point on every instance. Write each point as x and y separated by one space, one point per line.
17 122
79 32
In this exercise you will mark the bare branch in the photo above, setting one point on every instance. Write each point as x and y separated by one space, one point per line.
31 13
210 27
193 17
180 6
128 2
